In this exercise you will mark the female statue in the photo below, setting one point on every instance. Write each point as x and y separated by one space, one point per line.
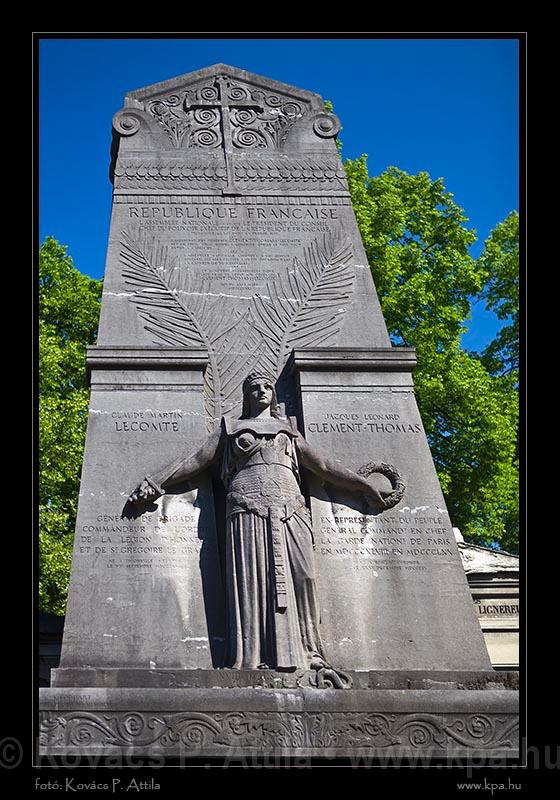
271 596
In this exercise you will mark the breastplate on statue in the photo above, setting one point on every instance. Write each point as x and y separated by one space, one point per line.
261 466
253 451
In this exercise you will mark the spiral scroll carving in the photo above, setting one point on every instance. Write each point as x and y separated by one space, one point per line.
248 138
205 137
326 125
192 732
243 116
238 94
259 118
206 116
209 93
126 123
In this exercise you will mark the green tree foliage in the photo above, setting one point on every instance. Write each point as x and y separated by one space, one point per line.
500 262
68 318
417 245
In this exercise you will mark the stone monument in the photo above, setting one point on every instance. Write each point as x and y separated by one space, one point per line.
493 578
263 560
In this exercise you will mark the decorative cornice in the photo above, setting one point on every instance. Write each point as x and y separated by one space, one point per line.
134 196
392 359
172 85
130 358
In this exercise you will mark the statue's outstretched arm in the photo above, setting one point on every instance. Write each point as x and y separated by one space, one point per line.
182 470
331 471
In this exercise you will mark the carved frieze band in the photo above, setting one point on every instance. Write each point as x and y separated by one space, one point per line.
301 172
243 200
195 731
169 174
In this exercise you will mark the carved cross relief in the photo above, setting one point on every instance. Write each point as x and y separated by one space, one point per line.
227 103
225 114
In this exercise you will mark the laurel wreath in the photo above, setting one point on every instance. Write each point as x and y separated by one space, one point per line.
394 477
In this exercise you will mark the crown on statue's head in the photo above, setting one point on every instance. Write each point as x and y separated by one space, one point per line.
257 376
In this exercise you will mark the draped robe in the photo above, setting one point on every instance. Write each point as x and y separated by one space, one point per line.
272 609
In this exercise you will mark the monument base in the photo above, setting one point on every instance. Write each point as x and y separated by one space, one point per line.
248 723
169 678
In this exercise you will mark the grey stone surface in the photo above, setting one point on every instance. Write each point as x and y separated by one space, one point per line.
493 577
304 722
482 560
233 249
142 588
401 568
271 599
272 679
232 244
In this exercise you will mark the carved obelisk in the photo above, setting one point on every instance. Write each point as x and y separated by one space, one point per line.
234 248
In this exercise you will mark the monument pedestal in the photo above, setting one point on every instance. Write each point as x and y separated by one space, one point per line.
476 721
233 252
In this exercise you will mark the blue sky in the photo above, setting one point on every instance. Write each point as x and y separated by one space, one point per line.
445 106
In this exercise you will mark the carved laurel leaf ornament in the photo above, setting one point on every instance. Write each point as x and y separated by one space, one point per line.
394 477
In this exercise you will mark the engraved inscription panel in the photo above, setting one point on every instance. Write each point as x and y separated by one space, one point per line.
136 568
400 567
245 282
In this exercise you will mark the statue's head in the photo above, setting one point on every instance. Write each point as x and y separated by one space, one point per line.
259 393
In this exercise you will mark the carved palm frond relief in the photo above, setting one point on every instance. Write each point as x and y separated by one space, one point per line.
305 309
239 350
174 306
301 310
158 297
